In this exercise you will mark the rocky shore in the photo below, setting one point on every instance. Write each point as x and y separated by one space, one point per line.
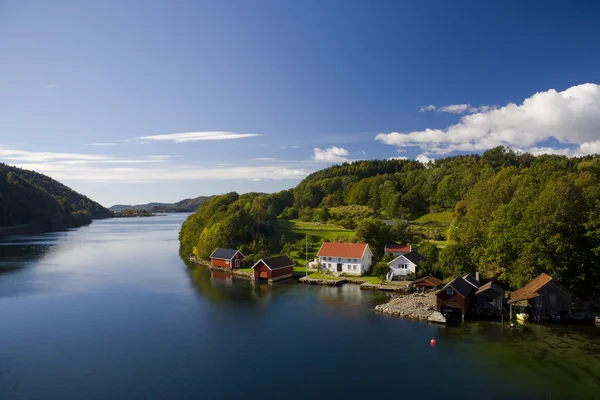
415 306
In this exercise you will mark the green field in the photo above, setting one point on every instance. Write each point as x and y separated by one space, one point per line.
433 225
294 231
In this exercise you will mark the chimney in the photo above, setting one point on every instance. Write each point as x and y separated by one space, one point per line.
477 276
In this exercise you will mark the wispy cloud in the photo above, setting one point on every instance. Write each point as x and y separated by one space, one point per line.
52 86
10 154
572 117
198 136
181 172
270 159
452 108
456 108
101 144
331 155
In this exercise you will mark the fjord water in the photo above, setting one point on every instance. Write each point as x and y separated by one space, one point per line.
110 311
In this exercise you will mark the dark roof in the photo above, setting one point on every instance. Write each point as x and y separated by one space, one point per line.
277 262
431 280
493 286
414 257
461 286
223 254
471 279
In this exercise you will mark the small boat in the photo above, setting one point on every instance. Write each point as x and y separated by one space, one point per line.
522 317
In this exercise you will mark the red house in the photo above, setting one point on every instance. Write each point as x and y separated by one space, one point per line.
226 258
274 268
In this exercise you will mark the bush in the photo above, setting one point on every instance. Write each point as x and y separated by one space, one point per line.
380 270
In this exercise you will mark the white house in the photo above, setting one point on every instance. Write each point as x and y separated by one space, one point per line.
404 267
346 258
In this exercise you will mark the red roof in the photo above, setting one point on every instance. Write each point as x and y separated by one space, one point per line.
398 248
346 250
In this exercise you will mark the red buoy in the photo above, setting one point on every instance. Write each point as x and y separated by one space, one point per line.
433 342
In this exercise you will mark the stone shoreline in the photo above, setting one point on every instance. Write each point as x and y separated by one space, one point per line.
413 306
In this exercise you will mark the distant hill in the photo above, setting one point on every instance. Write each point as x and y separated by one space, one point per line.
186 205
31 202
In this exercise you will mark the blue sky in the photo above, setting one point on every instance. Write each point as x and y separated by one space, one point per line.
262 93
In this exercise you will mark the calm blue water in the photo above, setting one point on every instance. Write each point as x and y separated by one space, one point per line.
110 311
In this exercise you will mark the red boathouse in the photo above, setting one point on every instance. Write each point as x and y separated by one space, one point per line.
274 268
226 258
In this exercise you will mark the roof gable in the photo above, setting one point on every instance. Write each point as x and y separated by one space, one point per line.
491 286
345 250
460 285
470 279
276 262
432 280
224 254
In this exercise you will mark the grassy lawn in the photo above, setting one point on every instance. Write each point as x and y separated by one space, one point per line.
371 279
248 271
442 218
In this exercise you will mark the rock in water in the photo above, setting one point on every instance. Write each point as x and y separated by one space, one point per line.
437 316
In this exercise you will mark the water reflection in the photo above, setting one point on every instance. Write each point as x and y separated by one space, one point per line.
533 352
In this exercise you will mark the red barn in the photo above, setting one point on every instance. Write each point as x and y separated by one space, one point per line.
226 258
274 268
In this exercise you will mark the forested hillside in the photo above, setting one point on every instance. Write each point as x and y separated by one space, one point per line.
32 202
512 215
185 205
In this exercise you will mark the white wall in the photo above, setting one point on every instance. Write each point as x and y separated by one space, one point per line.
402 266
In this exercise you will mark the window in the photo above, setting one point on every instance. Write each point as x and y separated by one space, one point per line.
489 298
329 259
329 265
237 262
355 267
339 259
450 291
553 298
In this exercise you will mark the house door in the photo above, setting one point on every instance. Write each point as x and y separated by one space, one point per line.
339 268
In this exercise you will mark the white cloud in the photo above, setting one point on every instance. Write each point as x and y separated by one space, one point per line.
294 147
330 155
52 86
198 136
183 172
9 154
101 144
364 153
422 158
398 158
571 117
